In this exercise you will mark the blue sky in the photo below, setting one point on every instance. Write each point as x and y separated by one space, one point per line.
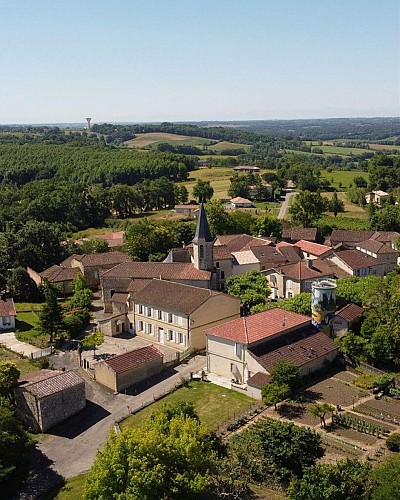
156 60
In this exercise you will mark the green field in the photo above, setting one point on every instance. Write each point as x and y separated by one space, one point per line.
229 145
343 151
345 177
153 139
23 364
215 405
72 489
27 307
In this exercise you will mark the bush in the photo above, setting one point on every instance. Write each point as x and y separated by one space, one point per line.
393 442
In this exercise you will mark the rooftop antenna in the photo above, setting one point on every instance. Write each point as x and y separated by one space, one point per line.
88 122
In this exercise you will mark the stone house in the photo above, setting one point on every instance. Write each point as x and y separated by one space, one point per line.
176 315
46 398
385 253
7 314
377 197
127 369
356 263
348 238
60 276
295 234
347 318
240 202
311 250
188 210
289 280
243 351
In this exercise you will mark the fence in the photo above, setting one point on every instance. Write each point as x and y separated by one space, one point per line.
42 353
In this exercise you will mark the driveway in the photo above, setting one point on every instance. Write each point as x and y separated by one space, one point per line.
285 205
71 447
9 341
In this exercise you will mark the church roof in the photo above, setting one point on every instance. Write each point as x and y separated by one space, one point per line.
202 230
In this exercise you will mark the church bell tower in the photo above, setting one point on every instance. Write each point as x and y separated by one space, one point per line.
203 243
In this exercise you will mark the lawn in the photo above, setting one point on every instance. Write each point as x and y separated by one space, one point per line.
23 364
215 405
27 329
345 177
28 307
72 489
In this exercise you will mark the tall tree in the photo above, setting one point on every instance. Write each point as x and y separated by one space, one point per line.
51 315
9 375
273 393
252 288
203 191
335 205
268 225
307 208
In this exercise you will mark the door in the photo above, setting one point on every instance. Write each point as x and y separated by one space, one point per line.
161 335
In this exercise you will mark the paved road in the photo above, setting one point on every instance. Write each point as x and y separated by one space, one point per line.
71 447
8 340
285 205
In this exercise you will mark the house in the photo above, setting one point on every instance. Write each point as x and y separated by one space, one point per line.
188 210
348 238
91 265
176 315
311 250
246 169
295 234
356 263
262 192
46 398
244 351
292 279
346 318
7 314
385 253
114 240
388 237
60 276
240 202
127 369
377 197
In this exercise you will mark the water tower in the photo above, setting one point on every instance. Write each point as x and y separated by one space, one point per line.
323 305
88 122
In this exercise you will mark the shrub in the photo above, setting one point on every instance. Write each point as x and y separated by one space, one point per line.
393 442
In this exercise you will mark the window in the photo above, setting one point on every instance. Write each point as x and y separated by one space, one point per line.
222 275
140 326
238 350
289 284
222 286
170 335
149 328
130 326
140 309
181 339
217 265
170 318
201 251
148 311
96 275
180 321
160 315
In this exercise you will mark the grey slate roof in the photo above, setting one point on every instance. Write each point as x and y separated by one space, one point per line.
202 230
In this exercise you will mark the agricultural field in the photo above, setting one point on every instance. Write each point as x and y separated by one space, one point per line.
344 177
352 211
215 405
343 151
152 139
379 147
228 145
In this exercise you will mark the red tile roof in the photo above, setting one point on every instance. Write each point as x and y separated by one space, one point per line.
259 326
350 312
176 297
104 259
133 359
137 284
222 252
259 379
350 235
300 233
377 247
240 200
312 248
49 382
300 347
7 307
57 274
356 259
173 271
120 297
301 271
385 236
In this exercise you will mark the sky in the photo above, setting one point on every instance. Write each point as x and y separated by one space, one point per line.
189 60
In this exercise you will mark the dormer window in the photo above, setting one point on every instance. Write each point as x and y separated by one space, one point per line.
201 251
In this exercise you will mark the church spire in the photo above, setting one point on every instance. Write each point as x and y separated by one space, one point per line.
203 232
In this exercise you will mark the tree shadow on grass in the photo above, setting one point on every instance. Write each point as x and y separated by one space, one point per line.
23 326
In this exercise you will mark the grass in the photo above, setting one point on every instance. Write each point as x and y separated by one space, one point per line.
24 365
352 211
27 329
229 145
366 380
340 222
72 489
345 177
215 405
153 139
342 151
28 307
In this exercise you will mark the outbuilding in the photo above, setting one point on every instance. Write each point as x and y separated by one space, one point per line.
48 397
